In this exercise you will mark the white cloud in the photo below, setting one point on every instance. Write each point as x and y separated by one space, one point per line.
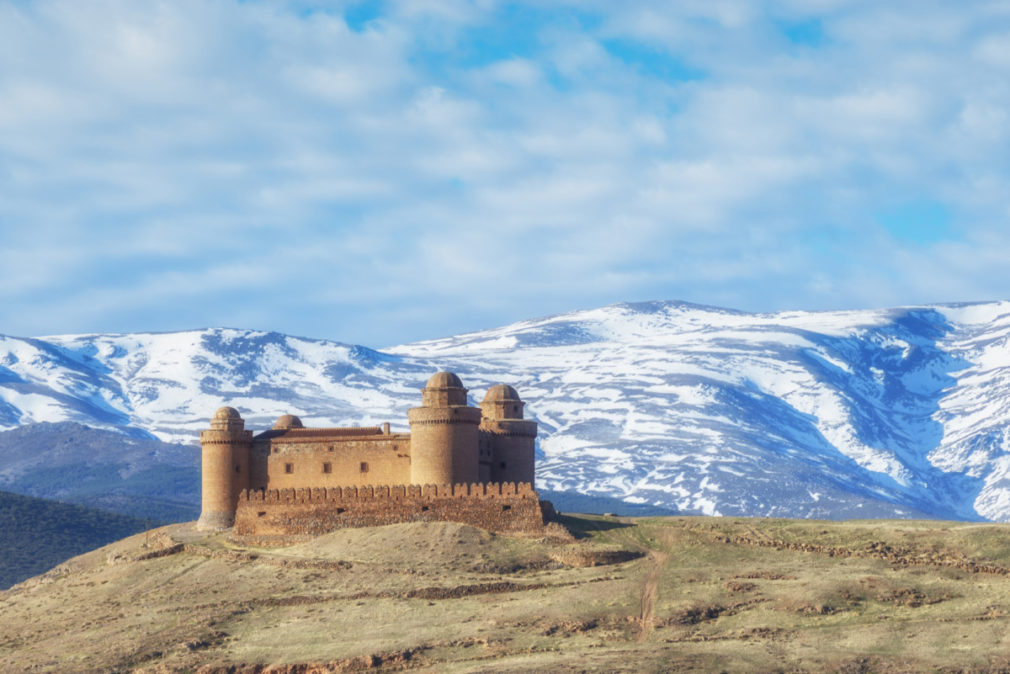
449 166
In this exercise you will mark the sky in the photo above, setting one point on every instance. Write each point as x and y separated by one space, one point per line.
381 172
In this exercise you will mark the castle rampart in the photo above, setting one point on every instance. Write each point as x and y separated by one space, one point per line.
503 508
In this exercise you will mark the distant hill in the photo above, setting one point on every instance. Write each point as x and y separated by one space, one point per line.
37 534
571 502
70 462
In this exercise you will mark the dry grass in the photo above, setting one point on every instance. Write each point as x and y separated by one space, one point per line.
657 594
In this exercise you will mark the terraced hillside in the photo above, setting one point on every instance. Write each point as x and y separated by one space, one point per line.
691 594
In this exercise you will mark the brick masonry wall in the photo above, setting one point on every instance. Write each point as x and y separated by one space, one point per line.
372 459
501 508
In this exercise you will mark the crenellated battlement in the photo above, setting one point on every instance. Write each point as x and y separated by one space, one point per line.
502 431
507 508
395 492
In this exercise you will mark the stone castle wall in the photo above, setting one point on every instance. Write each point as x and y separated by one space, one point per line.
332 461
502 508
225 472
444 445
512 443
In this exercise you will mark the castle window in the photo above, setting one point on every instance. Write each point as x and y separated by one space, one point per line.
364 466
289 467
327 467
330 448
506 508
502 465
238 469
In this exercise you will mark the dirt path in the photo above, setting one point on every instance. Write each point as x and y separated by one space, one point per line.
650 588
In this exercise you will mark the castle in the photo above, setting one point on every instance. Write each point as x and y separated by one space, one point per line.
458 463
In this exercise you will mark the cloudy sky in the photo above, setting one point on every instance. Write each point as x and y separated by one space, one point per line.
382 172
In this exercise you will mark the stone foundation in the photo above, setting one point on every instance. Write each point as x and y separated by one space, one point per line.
501 508
215 520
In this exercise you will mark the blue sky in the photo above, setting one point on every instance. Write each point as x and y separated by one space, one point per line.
382 172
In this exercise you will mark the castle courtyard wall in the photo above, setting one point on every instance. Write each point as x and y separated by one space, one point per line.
299 463
501 508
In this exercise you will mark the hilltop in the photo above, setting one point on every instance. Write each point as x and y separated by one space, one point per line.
685 593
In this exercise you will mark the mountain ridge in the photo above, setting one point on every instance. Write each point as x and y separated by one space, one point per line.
896 412
69 462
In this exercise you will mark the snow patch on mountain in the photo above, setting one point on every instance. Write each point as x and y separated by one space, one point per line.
894 412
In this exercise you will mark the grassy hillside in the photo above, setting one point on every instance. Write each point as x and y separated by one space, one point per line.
654 594
36 534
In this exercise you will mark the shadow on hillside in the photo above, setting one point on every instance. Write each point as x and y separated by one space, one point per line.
837 424
582 527
892 379
573 502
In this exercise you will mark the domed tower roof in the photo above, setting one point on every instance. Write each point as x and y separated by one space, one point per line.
227 418
444 389
286 422
444 380
501 393
502 402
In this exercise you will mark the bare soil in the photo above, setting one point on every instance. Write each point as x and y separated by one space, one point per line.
654 594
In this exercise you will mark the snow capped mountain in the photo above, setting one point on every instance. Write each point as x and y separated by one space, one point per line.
897 412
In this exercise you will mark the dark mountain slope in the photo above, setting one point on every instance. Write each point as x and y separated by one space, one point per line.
37 534
66 461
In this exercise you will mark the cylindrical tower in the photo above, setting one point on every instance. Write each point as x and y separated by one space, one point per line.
443 434
512 439
226 447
